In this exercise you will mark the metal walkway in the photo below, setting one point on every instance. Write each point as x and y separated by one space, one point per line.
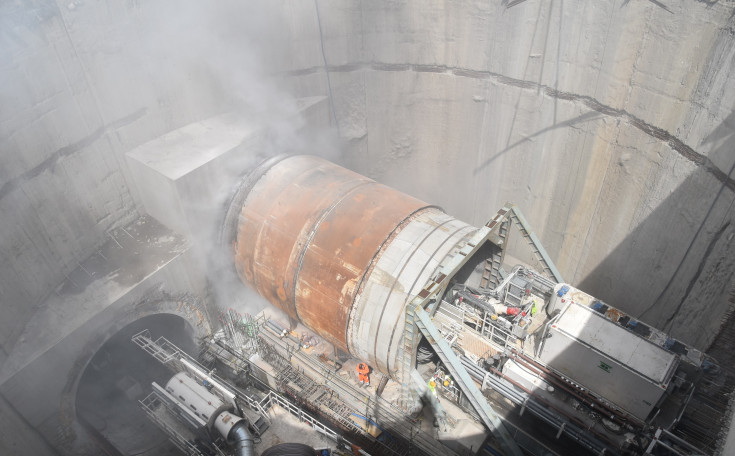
460 375
161 349
420 309
338 397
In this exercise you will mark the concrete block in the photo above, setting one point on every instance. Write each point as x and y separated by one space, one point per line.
185 177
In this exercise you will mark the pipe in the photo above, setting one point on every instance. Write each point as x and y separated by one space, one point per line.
581 394
242 438
292 449
381 385
339 252
541 409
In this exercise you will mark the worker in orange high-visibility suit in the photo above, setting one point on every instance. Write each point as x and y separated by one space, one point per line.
363 371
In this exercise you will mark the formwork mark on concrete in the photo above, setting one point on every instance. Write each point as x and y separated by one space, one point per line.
653 131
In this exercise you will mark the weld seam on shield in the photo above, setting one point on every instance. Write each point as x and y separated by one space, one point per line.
267 167
385 303
409 297
245 186
399 226
312 234
230 225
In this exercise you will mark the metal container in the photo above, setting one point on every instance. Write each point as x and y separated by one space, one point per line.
602 356
191 394
340 252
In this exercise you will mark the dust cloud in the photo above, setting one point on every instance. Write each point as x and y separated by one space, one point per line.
236 51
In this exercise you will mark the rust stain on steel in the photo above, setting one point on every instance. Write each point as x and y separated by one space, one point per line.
274 223
333 265
307 233
614 314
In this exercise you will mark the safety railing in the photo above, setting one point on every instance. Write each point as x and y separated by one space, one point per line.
497 336
153 407
273 398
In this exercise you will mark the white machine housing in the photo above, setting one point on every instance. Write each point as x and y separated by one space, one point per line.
626 369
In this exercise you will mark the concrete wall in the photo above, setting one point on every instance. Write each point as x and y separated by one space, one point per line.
76 94
81 83
609 123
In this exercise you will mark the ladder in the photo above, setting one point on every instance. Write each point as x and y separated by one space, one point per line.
539 253
159 349
491 272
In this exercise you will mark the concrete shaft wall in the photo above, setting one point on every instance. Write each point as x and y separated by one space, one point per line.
75 96
609 123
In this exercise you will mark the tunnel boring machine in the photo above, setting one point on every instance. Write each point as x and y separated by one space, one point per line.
340 252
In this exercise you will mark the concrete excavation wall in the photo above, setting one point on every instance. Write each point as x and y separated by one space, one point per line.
610 123
74 98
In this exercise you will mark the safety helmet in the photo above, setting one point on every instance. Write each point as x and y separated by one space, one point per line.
432 383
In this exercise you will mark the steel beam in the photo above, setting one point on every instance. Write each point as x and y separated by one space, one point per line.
465 382
534 241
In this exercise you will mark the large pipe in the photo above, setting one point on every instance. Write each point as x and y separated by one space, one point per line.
243 440
340 252
195 397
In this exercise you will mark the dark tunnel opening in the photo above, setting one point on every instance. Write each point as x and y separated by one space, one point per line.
117 377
